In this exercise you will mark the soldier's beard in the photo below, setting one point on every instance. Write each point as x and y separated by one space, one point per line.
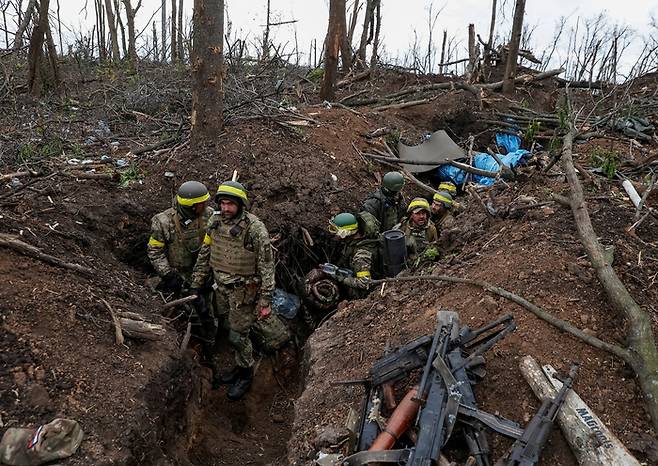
230 215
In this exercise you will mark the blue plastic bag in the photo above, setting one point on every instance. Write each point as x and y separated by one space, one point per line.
285 304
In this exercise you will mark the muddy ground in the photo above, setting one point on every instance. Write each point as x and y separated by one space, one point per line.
144 404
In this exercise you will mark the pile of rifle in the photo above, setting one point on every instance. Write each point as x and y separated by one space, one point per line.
443 406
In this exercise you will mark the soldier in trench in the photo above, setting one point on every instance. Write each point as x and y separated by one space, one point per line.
176 238
236 251
442 205
420 233
386 204
358 261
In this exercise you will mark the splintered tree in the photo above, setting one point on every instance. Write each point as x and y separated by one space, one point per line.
130 16
513 49
114 38
335 30
174 36
35 56
207 71
18 38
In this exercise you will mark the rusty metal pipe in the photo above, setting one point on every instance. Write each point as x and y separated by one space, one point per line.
399 422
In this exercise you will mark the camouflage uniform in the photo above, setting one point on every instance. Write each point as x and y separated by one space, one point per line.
418 239
174 244
444 220
358 256
239 254
388 211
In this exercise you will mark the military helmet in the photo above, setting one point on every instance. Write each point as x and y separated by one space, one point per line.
393 181
233 191
344 225
444 198
419 203
448 186
192 192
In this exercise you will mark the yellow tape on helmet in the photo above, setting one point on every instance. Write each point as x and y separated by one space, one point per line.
225 189
192 201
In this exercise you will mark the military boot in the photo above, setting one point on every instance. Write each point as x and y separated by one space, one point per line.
241 386
225 378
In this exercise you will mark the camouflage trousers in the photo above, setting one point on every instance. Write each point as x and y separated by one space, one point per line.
239 308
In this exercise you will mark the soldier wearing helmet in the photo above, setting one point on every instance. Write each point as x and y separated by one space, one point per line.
358 255
177 235
237 252
387 204
442 205
449 187
419 231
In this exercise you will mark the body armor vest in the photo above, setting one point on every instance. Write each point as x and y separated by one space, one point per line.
185 243
229 253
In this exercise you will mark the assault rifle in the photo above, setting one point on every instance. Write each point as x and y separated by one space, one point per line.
451 360
526 450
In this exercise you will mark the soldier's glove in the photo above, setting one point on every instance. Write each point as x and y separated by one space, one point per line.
172 281
200 304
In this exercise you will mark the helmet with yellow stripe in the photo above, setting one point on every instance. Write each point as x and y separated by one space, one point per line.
444 198
233 191
191 193
344 225
449 187
419 203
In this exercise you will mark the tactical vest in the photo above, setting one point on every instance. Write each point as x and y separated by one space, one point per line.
228 251
185 242
390 210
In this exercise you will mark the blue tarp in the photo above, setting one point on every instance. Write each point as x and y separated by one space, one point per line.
486 162
510 142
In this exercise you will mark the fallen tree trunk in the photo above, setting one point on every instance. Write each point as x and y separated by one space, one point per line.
134 326
24 248
591 441
466 86
641 349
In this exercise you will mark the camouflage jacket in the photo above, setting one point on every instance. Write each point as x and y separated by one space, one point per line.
418 239
358 255
444 221
387 211
256 241
174 244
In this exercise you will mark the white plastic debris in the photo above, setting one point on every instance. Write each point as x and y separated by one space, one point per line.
632 192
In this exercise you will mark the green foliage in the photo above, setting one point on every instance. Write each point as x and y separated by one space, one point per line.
34 152
392 139
431 254
555 145
531 132
130 175
607 160
315 75
563 117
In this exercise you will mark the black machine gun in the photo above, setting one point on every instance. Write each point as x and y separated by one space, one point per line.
526 450
451 361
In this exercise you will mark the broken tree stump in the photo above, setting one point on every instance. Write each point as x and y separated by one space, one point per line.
590 440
